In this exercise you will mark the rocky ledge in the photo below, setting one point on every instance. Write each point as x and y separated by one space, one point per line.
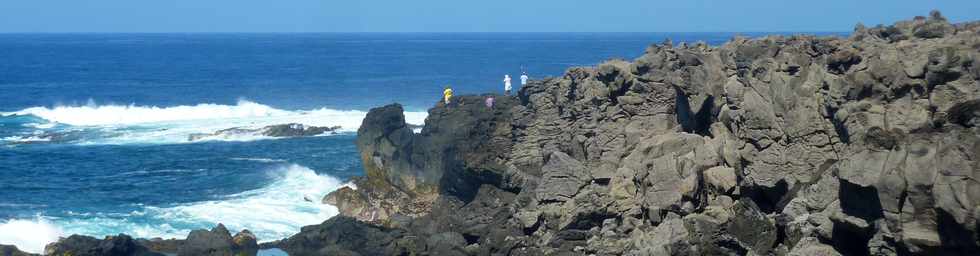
783 145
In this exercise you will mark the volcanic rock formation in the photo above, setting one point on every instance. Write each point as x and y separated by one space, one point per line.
795 145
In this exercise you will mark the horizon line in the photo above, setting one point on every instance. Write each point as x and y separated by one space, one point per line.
419 32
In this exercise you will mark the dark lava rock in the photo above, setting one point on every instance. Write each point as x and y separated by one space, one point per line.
218 242
296 130
279 130
10 250
341 236
76 245
246 243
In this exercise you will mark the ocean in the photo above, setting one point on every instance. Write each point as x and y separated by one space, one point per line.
94 128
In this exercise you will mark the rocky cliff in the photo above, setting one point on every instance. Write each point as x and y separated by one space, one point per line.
796 145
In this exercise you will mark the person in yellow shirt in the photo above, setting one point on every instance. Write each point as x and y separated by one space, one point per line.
447 94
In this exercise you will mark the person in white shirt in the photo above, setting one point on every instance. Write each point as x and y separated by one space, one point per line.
523 79
507 86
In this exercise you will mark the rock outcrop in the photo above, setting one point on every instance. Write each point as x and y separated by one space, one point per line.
406 172
77 245
10 250
216 242
783 145
279 130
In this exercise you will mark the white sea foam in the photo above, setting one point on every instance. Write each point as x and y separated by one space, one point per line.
92 114
260 160
47 125
25 139
126 124
29 235
273 212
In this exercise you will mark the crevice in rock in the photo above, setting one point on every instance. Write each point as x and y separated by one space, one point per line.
471 238
850 241
732 245
697 123
464 183
955 237
586 221
533 228
839 126
964 113
767 198
858 201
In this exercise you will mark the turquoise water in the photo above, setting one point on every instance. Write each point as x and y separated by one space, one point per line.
94 127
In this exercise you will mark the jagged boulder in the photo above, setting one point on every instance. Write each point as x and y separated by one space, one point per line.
218 242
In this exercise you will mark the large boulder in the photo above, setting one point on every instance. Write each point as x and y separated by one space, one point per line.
342 236
218 242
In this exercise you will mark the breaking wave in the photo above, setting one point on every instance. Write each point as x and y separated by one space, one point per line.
30 235
129 124
273 212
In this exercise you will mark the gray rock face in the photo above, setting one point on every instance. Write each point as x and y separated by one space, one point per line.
405 172
779 145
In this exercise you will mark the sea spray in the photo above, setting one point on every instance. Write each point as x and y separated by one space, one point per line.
29 235
272 212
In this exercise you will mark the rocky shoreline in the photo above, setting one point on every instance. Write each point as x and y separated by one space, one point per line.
797 145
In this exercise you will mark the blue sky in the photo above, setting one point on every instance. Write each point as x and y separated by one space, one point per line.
464 15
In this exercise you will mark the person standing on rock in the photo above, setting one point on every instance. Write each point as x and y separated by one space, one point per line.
524 79
507 84
447 95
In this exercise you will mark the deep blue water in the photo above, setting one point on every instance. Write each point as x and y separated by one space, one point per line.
94 127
